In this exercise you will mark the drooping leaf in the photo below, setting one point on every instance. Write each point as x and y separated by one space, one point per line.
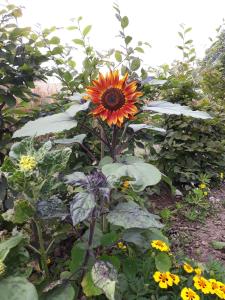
141 173
3 189
163 262
165 107
131 215
104 276
81 207
18 288
135 64
137 127
75 178
88 286
76 139
124 22
77 257
51 208
52 124
86 30
7 245
64 292
118 56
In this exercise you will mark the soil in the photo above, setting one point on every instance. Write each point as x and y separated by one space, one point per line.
194 239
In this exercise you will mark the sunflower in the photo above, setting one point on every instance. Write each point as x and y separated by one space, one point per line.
114 97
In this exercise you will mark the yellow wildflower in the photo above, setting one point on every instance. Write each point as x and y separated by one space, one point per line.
126 184
49 261
164 279
27 163
175 278
220 292
214 286
221 175
198 271
205 193
2 267
188 268
160 245
189 294
121 246
202 186
202 284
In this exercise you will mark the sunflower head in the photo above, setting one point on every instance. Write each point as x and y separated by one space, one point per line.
114 97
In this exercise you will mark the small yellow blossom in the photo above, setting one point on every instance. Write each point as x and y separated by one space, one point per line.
214 286
202 186
220 292
198 271
202 284
121 246
27 163
160 245
189 294
126 184
49 261
221 175
164 279
187 268
2 267
175 278
205 193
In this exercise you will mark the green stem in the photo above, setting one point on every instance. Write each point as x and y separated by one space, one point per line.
42 251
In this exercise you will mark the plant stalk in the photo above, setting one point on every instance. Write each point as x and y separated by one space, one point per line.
43 254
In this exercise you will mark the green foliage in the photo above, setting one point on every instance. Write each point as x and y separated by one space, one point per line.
17 288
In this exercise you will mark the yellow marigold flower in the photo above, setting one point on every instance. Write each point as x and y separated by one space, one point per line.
126 184
189 294
175 278
121 246
202 284
220 292
214 286
198 271
187 268
202 186
221 175
160 245
27 163
2 267
164 279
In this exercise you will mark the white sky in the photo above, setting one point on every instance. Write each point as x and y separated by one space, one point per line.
155 21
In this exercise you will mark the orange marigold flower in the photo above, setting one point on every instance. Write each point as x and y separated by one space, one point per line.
202 284
189 294
115 98
214 286
220 292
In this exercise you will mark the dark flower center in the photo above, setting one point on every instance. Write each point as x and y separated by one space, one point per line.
113 99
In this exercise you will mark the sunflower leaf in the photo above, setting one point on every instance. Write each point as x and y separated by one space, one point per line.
131 215
165 107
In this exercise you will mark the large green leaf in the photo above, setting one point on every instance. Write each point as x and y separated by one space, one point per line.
163 262
17 288
142 174
64 292
52 124
7 245
88 286
137 127
81 207
104 276
165 107
76 139
131 215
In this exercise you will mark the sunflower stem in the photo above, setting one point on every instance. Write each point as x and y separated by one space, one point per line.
114 136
